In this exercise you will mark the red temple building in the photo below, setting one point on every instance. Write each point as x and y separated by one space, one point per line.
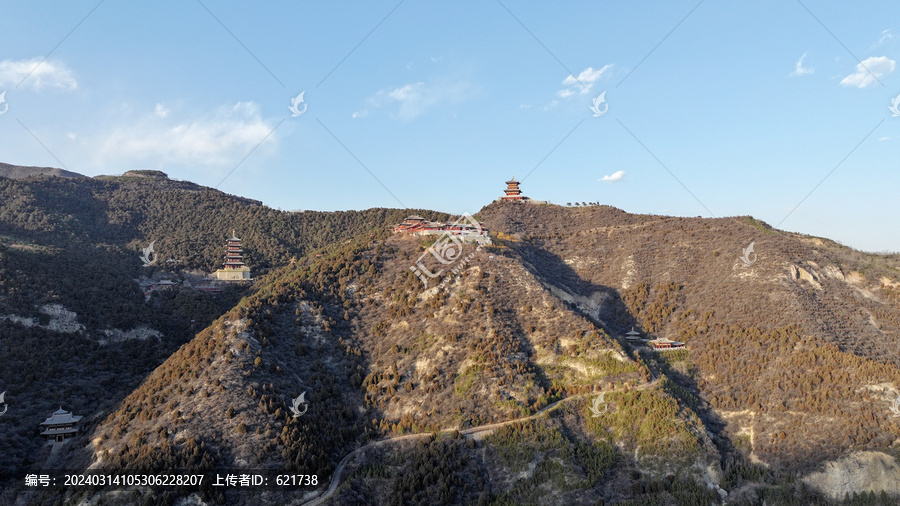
512 191
412 224
663 343
468 229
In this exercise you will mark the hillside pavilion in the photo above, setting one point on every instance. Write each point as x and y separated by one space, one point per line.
60 426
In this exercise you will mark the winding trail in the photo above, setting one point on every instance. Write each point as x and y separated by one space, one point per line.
470 432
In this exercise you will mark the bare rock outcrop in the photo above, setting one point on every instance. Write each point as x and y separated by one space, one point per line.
61 319
138 333
810 276
858 472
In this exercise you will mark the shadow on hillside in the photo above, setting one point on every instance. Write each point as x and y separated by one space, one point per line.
614 317
714 423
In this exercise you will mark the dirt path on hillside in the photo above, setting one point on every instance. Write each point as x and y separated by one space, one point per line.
470 432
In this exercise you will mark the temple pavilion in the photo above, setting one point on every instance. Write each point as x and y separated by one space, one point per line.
234 268
663 343
60 426
512 192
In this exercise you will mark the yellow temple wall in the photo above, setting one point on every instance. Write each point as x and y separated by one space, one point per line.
242 274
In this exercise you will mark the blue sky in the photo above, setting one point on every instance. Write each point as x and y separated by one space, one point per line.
711 108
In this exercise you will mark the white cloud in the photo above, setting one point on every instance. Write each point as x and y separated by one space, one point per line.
885 138
885 36
553 103
615 177
584 82
404 92
414 100
220 139
800 70
868 72
360 114
40 75
71 135
161 111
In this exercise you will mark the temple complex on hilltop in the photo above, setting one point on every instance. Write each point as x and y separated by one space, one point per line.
466 229
60 426
234 268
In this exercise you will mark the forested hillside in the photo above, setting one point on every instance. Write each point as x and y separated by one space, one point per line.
505 380
797 354
69 264
379 357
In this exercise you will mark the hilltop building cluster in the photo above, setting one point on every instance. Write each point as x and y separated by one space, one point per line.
470 231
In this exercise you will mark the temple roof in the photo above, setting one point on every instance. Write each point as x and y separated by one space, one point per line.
512 180
665 340
60 417
54 432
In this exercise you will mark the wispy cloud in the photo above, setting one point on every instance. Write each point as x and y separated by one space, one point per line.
886 36
584 82
47 74
615 177
161 111
415 99
800 70
217 140
868 72
553 103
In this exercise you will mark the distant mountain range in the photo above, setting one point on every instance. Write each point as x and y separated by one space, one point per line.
437 372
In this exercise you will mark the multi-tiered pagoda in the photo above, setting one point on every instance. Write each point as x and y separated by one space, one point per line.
234 268
512 191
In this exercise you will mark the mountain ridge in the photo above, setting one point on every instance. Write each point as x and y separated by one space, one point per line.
22 172
790 364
